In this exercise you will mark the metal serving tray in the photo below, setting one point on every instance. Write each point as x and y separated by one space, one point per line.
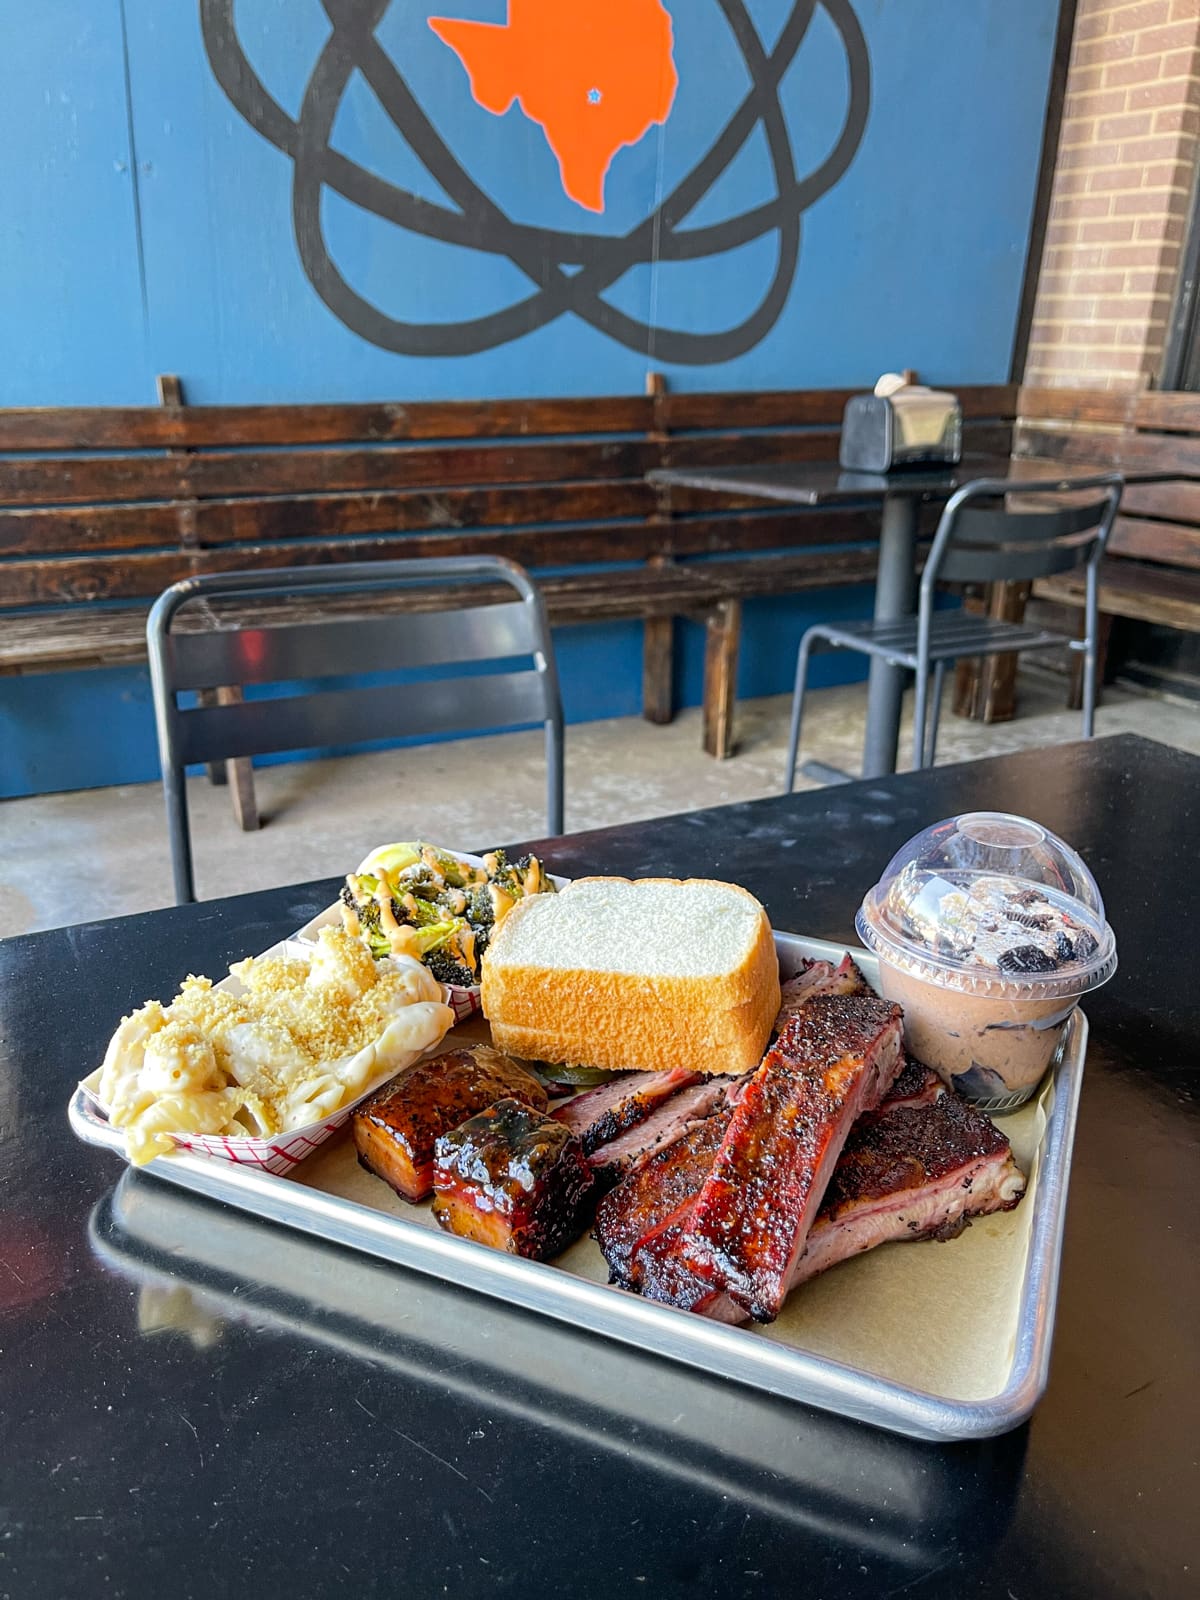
989 1295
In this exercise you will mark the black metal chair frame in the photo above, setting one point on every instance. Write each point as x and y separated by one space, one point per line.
977 545
342 646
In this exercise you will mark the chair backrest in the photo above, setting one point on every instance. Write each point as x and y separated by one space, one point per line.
984 537
477 613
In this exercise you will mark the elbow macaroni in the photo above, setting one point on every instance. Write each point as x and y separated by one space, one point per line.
300 1037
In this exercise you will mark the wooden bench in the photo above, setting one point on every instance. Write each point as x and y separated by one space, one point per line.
102 508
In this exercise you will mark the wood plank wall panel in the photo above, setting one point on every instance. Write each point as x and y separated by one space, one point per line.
548 483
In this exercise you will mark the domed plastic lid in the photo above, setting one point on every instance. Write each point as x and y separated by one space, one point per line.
990 903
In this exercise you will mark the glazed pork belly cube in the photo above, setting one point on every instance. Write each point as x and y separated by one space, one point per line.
514 1179
396 1130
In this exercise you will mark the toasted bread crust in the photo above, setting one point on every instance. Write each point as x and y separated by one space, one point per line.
710 1025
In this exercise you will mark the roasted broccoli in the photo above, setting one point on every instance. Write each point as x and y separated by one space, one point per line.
455 873
480 908
418 900
517 878
361 915
447 970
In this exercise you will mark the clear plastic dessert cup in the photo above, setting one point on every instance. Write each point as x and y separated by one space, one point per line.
988 930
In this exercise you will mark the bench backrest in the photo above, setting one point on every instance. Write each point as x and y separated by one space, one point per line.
1159 522
117 503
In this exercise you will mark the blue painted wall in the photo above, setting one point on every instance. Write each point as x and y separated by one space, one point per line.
149 228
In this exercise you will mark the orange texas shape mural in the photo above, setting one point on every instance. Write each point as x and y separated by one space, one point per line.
593 74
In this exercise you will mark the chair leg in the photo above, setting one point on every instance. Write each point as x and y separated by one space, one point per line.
919 717
935 715
1089 687
1078 667
806 644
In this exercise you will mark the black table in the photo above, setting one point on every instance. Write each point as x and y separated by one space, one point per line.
309 1422
899 495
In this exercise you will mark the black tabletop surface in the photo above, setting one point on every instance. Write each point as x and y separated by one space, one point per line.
198 1404
824 483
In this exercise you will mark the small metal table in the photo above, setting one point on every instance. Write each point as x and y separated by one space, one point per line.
899 495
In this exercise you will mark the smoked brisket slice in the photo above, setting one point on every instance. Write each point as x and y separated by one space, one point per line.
668 1122
914 1171
917 1085
818 977
604 1113
834 1060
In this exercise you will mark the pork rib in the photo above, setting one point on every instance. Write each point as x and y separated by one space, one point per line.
604 1113
656 1194
835 1059
818 977
917 1085
913 1170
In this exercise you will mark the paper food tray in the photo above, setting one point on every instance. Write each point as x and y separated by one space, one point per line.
938 1341
280 1152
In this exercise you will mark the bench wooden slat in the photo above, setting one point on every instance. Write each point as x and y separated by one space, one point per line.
793 407
84 637
1172 453
1170 411
1173 501
229 521
197 427
1155 541
82 480
144 574
194 427
1133 589
457 517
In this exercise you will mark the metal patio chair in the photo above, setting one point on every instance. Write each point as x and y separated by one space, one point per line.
269 647
982 543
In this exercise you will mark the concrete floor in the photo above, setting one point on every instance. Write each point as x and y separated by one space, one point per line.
103 852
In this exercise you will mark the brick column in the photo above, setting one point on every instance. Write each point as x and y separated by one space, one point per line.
1122 189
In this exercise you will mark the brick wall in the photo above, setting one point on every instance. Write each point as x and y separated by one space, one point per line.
1122 189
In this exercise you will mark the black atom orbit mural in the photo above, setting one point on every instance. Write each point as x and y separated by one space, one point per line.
568 272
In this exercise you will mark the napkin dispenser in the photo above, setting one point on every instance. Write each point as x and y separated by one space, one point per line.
901 424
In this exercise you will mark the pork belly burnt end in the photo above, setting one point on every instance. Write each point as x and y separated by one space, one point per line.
914 1171
834 1060
514 1179
395 1131
606 1112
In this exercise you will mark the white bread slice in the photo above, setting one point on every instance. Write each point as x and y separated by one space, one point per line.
641 974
